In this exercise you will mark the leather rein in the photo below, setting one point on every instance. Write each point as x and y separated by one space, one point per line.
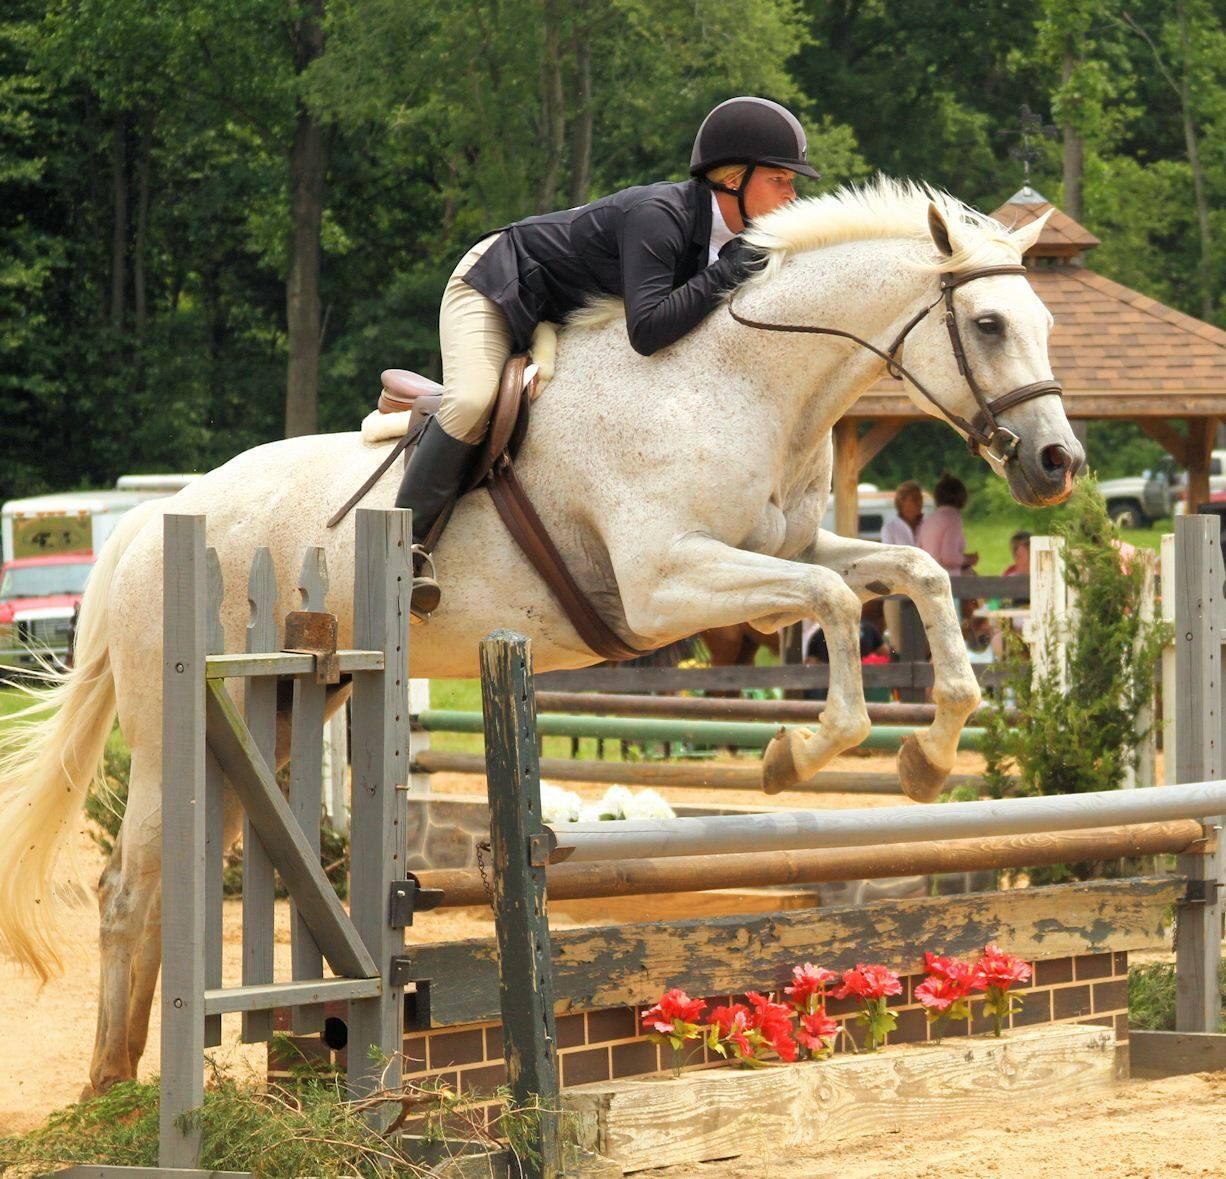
985 432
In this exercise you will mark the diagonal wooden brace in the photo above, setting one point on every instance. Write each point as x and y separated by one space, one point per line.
233 746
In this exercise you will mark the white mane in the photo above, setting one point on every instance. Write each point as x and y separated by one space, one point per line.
882 208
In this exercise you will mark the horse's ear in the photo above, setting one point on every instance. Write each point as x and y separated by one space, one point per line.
1026 235
939 230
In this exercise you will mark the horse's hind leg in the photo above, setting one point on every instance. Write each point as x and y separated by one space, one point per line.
926 758
129 950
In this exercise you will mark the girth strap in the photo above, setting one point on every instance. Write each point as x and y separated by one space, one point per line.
527 529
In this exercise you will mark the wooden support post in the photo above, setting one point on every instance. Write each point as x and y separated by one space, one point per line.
1199 617
184 606
519 856
259 886
378 811
1201 433
846 477
214 815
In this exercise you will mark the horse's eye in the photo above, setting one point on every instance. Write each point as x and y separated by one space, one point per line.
991 325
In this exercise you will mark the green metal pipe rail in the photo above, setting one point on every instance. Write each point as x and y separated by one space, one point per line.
745 734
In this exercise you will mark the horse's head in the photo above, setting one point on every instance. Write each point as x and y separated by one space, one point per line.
979 358
964 325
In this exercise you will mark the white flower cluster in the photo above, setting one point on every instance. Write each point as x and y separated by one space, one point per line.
559 805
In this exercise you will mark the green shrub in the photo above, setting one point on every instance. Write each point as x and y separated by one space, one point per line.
1080 732
306 1128
1151 996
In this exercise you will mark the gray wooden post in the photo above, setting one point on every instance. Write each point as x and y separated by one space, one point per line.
1199 615
259 886
184 606
306 784
378 811
214 815
518 857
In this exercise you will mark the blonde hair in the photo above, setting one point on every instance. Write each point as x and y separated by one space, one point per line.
729 174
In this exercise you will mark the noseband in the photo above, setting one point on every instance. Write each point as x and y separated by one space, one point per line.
985 431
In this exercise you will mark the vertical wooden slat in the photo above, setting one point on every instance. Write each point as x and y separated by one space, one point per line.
184 604
214 815
335 769
1048 622
1170 720
305 800
525 976
1198 756
306 784
419 701
259 884
383 583
1145 773
912 646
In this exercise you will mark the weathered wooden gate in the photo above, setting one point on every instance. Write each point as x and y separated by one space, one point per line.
208 743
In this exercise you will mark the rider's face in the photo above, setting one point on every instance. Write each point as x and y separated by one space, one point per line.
767 190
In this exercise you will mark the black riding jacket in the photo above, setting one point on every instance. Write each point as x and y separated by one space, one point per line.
648 245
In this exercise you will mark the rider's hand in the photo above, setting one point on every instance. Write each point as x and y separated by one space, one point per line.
738 260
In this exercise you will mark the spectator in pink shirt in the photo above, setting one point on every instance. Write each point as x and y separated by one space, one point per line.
940 534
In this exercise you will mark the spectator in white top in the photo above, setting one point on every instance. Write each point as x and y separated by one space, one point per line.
909 504
901 529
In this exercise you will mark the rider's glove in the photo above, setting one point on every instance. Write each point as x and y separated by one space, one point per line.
739 260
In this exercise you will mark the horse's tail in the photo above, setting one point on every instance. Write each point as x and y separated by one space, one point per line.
49 754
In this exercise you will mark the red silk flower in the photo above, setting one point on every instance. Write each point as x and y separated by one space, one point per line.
808 989
940 994
774 1022
966 977
674 1006
868 982
1001 970
817 1031
731 1025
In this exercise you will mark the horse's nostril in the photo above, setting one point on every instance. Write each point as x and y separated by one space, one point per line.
1055 459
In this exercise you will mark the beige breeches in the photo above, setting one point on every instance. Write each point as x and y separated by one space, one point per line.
475 341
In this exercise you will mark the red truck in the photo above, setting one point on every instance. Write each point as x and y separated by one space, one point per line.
38 600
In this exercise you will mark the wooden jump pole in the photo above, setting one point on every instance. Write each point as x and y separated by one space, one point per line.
463 886
801 830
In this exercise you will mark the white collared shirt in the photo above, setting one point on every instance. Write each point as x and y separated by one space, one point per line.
721 235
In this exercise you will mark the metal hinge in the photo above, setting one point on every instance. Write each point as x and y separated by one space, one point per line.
1201 892
408 897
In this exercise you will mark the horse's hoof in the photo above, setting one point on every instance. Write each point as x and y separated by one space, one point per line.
779 770
921 780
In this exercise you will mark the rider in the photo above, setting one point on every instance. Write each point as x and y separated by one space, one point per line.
670 250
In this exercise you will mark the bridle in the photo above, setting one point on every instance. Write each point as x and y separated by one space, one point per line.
985 432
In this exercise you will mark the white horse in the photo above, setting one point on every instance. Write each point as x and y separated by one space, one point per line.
685 490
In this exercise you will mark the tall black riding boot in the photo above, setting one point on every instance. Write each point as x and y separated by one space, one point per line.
430 484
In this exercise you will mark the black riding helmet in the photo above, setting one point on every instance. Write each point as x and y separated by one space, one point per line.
750 131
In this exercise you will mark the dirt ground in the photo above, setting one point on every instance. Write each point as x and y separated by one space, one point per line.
1144 1128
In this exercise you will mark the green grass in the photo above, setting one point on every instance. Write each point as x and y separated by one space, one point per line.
990 539
1151 996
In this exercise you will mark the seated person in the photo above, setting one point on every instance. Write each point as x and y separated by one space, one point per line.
873 650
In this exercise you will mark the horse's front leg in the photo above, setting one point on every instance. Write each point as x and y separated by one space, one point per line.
700 583
874 570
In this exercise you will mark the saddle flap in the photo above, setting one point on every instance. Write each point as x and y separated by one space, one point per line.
508 419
